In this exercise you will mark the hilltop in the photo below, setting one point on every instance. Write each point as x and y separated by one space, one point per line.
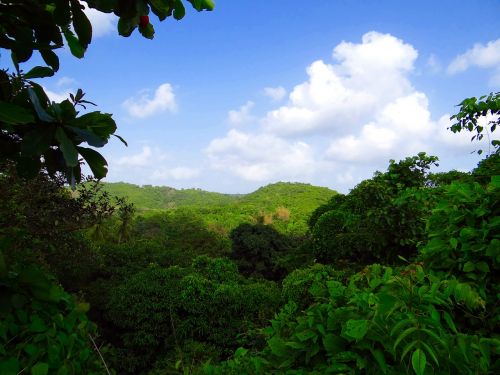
286 205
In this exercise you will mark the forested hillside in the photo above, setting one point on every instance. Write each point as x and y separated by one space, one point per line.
287 205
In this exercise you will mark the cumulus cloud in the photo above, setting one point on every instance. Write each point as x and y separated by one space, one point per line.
102 23
241 115
260 157
144 106
275 93
365 77
346 120
146 157
481 56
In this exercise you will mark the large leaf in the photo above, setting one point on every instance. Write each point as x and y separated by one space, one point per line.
126 26
101 124
179 10
81 23
87 136
39 72
76 48
67 147
14 114
50 58
96 162
418 361
40 111
161 8
277 346
355 329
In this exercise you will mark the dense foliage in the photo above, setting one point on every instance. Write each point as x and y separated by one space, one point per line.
410 282
393 205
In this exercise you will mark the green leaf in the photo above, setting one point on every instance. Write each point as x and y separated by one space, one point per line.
379 357
404 334
14 114
355 329
87 136
67 147
121 139
96 162
40 111
76 48
179 10
39 72
101 124
40 368
306 335
126 26
147 31
37 325
453 243
161 8
431 352
447 318
468 267
418 361
50 58
483 267
81 23
277 346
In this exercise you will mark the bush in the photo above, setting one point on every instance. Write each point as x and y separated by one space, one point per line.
42 329
380 220
158 310
305 286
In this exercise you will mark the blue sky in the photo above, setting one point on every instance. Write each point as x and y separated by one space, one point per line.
323 92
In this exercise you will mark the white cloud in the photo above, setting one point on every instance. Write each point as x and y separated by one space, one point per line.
177 173
241 115
102 23
275 93
65 81
57 96
404 122
345 121
337 96
146 157
144 106
483 56
260 157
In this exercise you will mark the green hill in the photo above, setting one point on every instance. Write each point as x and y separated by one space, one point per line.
285 205
148 197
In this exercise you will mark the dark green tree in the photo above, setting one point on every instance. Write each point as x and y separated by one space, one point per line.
256 249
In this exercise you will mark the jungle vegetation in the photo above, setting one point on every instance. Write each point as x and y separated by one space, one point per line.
400 275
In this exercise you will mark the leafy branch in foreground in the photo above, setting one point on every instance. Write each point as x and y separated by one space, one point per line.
472 110
36 133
